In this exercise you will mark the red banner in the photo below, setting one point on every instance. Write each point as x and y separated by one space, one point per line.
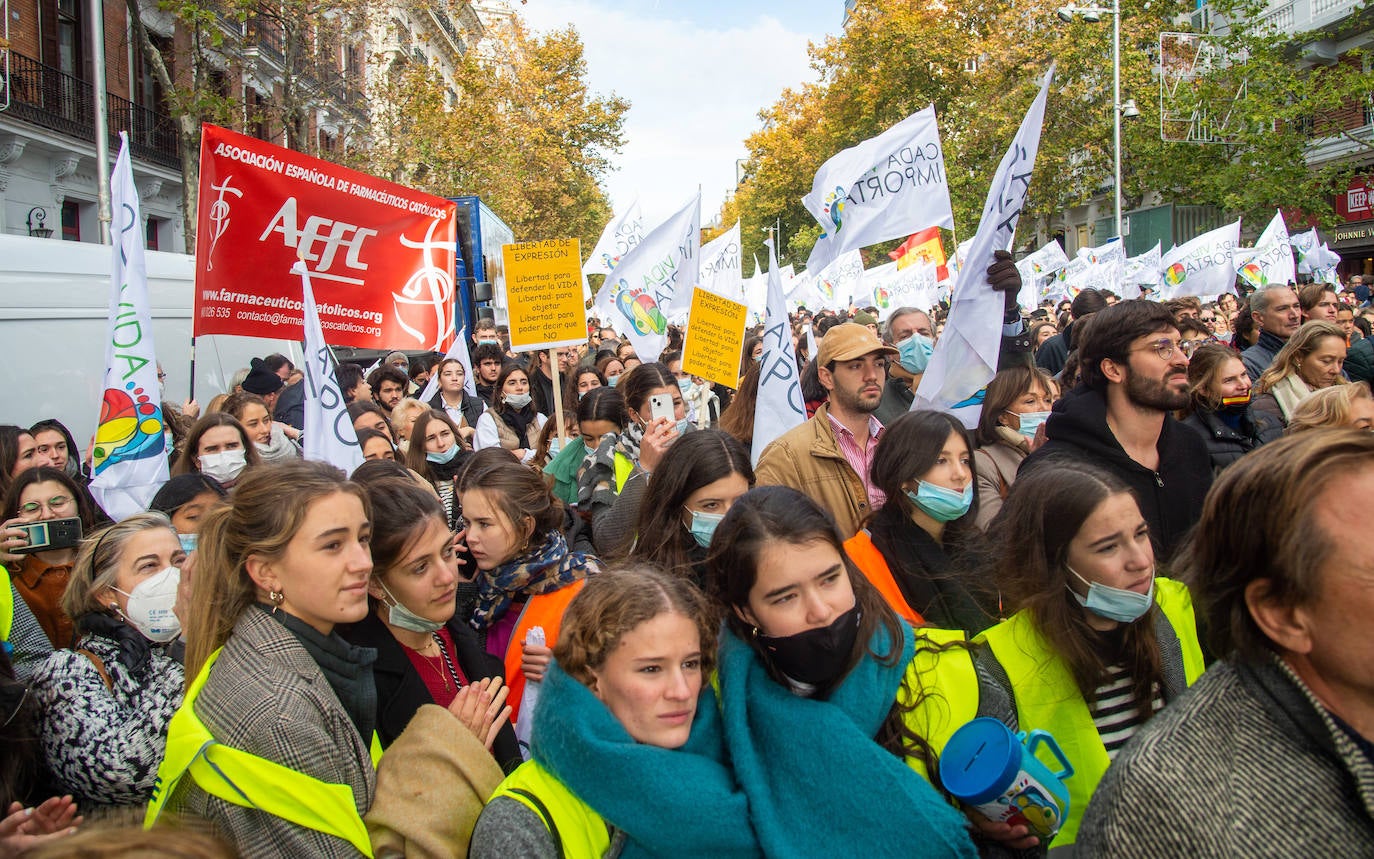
380 254
1357 203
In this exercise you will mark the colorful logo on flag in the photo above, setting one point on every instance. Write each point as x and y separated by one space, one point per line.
1253 273
1175 274
640 310
130 428
825 287
882 297
834 207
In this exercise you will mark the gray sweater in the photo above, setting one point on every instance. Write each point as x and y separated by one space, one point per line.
1247 763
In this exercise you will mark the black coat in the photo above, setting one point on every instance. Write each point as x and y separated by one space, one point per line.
472 407
401 691
1225 445
1054 352
1170 498
290 407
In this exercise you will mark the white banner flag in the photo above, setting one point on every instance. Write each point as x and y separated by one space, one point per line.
619 237
1093 268
756 294
1306 245
1324 266
722 269
1141 271
458 350
885 188
779 406
130 455
1035 268
965 356
892 288
639 295
1273 256
328 430
1203 266
836 286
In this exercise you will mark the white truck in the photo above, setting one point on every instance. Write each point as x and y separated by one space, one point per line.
54 308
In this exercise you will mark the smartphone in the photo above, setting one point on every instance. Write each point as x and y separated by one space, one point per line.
661 406
52 534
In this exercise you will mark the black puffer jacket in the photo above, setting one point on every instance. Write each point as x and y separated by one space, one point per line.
1225 445
1170 498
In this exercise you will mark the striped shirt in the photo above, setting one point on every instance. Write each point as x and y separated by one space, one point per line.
861 459
1114 709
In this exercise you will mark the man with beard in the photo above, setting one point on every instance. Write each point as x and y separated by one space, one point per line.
830 456
1135 375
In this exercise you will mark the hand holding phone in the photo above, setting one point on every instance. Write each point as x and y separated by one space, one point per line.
661 406
49 535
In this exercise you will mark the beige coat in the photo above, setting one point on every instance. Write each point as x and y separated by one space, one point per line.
808 459
997 465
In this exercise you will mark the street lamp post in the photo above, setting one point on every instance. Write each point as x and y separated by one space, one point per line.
1128 109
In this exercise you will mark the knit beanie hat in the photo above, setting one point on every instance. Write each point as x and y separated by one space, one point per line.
260 380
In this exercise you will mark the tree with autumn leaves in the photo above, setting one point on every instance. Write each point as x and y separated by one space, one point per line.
979 63
526 134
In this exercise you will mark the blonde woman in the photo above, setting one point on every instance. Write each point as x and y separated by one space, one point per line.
1342 406
1312 359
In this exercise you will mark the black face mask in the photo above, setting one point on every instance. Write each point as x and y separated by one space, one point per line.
817 656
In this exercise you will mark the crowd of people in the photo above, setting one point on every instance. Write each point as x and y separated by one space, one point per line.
643 632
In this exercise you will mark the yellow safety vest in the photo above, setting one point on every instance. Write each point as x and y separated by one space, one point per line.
6 605
624 467
1047 698
940 679
249 781
578 832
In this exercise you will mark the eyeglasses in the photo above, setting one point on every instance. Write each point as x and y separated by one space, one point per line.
1165 347
53 504
1191 346
1206 319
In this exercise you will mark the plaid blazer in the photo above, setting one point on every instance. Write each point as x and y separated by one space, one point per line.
266 696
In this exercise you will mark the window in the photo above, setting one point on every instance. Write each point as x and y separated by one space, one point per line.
150 233
71 221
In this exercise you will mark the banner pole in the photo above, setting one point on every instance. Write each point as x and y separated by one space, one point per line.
192 395
557 398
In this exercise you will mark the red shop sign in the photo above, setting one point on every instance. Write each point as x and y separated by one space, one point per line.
1357 203
380 255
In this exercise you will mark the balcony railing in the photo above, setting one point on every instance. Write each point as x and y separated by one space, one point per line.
60 102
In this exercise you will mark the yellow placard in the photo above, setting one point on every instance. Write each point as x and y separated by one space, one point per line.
544 294
715 338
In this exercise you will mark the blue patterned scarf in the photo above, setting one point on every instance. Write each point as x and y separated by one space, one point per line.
547 568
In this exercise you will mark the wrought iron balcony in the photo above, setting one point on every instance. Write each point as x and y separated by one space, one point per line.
52 99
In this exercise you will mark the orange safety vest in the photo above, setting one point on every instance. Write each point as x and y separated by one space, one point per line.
871 562
544 610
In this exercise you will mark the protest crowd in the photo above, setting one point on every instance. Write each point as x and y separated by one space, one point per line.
1107 600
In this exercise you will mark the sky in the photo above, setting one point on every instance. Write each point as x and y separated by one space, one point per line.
696 72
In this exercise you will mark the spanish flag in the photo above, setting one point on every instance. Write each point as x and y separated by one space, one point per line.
923 247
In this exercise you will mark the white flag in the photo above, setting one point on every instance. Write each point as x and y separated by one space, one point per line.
129 455
458 350
1324 266
1141 271
328 430
1035 268
885 188
779 406
722 271
1305 245
639 295
965 357
619 237
836 286
1202 267
756 294
892 287
1094 268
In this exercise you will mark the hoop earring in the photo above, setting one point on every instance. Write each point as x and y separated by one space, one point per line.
276 597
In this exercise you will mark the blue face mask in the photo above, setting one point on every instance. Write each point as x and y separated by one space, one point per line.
444 457
1112 603
683 426
612 380
188 542
555 445
939 503
704 526
684 385
1030 422
913 353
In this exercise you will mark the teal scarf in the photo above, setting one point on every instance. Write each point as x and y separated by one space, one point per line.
818 784
563 469
668 802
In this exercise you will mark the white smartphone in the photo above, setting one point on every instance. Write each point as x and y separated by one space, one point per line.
661 406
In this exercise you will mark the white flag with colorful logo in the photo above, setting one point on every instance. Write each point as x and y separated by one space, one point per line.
1324 266
638 297
965 356
1203 267
328 431
130 455
884 188
1307 246
619 237
1270 261
893 288
722 271
835 286
779 406
1036 268
1141 272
